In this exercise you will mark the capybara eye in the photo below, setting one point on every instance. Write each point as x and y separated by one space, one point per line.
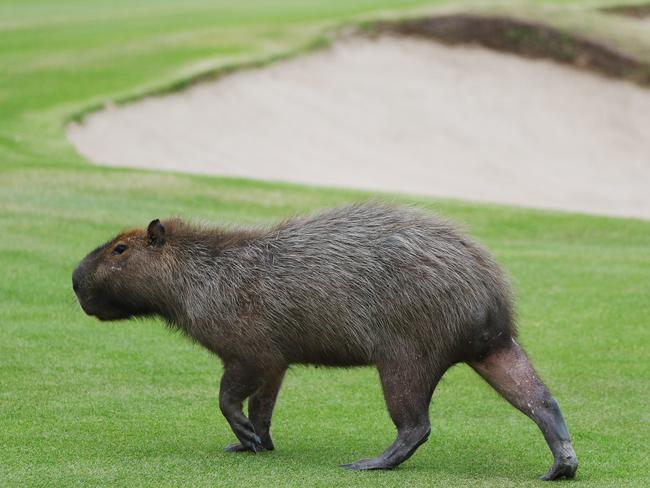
119 249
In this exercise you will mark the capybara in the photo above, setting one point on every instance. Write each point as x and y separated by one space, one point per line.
368 284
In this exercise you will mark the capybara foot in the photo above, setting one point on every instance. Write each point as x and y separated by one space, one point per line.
241 448
367 464
248 440
562 468
408 440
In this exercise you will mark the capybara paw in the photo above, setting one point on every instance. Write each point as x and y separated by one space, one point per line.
247 436
253 443
238 447
366 464
563 469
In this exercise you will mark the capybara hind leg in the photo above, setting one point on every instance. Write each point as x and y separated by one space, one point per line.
407 392
237 384
260 411
509 371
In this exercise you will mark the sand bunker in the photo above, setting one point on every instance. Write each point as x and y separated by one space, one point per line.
401 115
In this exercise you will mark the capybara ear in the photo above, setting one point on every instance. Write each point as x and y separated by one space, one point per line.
156 233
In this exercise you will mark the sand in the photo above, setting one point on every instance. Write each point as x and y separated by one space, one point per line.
401 115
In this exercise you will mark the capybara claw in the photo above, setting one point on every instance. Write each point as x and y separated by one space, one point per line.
255 444
367 464
561 470
242 448
235 448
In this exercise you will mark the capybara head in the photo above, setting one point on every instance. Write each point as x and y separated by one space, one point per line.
117 280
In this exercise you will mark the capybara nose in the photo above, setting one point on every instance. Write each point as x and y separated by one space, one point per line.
76 280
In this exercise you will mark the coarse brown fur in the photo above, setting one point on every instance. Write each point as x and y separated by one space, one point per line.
394 287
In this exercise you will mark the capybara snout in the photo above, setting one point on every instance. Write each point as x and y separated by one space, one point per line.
116 280
367 284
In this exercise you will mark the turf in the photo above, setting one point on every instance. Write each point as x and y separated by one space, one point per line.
133 404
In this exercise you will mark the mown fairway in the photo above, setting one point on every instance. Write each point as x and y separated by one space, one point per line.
132 404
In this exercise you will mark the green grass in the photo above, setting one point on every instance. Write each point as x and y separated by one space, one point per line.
132 404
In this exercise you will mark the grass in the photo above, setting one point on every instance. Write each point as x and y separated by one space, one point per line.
132 404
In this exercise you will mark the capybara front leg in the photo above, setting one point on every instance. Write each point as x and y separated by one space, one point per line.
407 392
509 371
237 384
260 411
